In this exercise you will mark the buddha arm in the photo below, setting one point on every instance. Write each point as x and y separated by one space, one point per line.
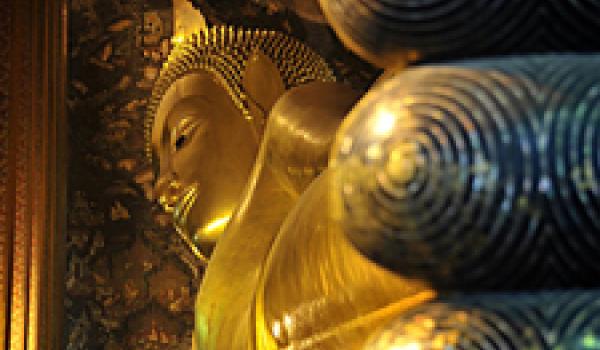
318 291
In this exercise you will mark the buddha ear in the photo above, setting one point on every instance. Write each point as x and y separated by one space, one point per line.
263 83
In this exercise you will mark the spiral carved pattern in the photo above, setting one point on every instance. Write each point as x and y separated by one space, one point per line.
441 29
545 320
478 175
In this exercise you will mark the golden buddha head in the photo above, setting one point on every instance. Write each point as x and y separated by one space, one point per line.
206 118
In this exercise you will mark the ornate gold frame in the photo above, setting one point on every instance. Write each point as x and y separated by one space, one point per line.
32 172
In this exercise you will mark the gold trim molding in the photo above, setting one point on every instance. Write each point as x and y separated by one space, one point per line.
32 172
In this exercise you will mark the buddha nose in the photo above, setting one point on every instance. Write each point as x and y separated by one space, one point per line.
168 191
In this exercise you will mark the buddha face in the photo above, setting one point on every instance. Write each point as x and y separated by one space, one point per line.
204 151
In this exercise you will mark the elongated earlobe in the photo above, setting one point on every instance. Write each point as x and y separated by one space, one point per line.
263 84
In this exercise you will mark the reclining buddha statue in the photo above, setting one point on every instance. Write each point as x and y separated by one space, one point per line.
240 122
455 207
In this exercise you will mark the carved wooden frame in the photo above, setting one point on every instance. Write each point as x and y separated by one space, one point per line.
33 52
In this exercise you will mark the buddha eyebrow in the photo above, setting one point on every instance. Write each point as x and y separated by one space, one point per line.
185 122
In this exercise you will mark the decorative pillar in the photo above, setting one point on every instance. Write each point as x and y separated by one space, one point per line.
32 172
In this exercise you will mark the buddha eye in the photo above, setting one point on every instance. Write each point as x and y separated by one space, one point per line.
185 130
181 140
181 134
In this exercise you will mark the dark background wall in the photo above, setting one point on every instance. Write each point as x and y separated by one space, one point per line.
130 283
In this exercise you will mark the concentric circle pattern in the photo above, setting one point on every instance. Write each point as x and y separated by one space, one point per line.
545 320
479 175
387 30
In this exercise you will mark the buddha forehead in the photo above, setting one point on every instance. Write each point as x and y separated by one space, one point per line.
191 107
